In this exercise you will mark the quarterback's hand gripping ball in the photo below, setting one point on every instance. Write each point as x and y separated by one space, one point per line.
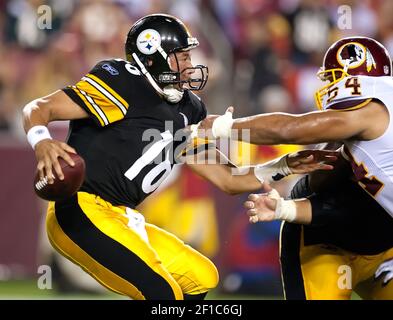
62 189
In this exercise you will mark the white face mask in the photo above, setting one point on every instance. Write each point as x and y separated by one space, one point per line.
172 94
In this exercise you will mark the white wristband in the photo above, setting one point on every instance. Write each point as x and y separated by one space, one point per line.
36 134
285 210
222 126
273 170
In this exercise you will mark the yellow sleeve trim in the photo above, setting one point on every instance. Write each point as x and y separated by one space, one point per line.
109 89
192 145
195 143
89 105
103 105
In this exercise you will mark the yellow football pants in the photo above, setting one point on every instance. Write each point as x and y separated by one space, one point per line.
321 272
96 236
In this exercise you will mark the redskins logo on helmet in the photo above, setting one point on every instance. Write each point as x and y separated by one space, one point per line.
353 56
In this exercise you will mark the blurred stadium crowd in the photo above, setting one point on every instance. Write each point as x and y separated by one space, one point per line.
262 57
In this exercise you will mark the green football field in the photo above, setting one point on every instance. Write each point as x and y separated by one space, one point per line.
28 289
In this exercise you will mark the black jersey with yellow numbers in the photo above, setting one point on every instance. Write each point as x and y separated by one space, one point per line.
132 137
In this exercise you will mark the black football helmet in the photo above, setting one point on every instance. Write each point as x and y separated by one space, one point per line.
150 41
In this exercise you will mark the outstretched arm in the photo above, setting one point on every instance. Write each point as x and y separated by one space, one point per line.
307 128
271 206
36 116
234 180
213 166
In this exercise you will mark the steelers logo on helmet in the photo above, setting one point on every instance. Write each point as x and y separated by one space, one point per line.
148 41
351 55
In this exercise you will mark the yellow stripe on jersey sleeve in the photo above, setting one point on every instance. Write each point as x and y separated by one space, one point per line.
109 89
103 101
193 146
90 106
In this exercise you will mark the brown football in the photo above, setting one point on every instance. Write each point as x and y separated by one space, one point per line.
62 189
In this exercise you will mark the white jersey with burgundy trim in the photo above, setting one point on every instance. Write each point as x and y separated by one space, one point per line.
371 161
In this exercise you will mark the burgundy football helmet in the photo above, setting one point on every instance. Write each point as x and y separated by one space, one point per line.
353 56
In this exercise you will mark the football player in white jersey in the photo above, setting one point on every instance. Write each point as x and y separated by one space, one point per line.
355 108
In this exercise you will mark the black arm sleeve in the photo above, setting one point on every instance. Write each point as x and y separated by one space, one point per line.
324 205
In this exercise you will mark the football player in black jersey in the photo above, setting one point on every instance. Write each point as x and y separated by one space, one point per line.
126 116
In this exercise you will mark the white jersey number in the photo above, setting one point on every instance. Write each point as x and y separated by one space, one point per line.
163 167
351 83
